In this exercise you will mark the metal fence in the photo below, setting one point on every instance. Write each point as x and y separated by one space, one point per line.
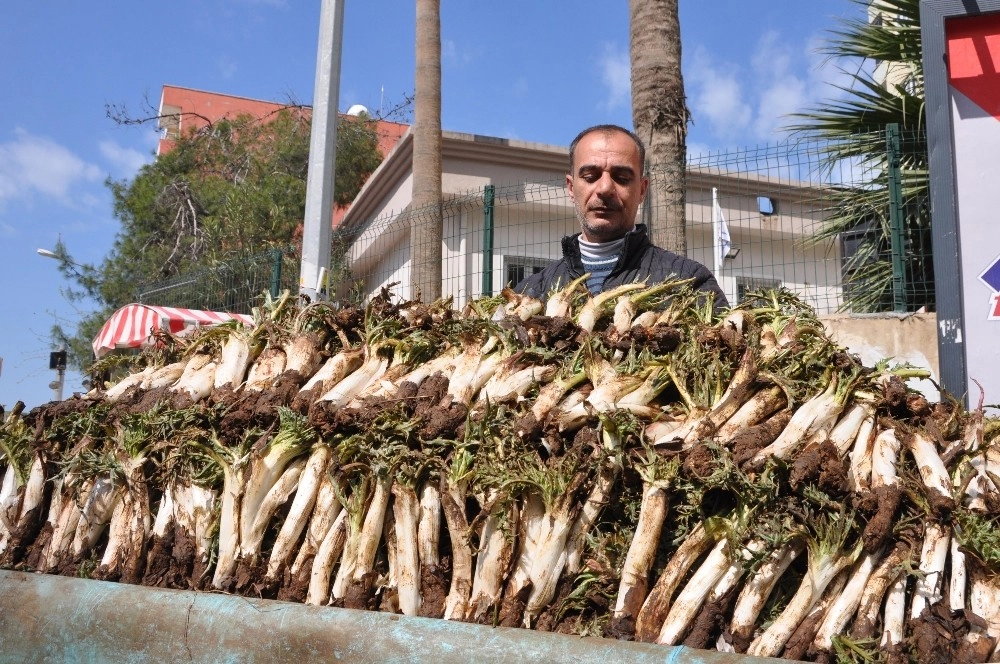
843 224
236 285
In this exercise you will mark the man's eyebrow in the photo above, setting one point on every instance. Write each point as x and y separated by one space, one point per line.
623 169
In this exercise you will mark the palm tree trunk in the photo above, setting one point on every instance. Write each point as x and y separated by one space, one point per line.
660 115
425 209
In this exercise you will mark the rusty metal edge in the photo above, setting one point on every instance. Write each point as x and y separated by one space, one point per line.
53 618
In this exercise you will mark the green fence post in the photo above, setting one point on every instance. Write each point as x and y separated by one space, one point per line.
277 258
488 197
896 218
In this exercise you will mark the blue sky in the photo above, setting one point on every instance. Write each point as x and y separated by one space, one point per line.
524 69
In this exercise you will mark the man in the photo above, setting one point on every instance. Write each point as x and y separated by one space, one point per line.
606 184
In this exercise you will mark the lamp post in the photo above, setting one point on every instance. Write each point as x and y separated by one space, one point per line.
57 359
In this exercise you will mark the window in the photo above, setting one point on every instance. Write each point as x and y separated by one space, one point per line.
746 285
516 268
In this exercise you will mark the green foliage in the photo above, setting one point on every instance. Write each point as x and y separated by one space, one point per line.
223 193
886 87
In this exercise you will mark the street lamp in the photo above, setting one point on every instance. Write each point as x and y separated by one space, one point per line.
57 359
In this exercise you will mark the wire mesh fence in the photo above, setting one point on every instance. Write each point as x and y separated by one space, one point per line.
845 224
234 286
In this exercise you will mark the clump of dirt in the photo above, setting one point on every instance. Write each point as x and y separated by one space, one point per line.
512 608
710 621
433 591
820 465
33 560
160 559
360 593
659 339
883 502
700 462
622 628
935 636
555 332
295 587
250 573
746 444
442 421
431 392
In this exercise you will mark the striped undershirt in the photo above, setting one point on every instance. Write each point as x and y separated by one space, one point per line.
599 259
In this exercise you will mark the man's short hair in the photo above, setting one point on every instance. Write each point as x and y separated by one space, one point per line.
608 128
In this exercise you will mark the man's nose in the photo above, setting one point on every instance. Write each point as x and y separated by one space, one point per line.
604 185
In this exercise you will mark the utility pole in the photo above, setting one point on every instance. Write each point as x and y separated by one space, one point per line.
322 153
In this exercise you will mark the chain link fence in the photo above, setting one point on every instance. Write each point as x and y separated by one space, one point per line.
845 224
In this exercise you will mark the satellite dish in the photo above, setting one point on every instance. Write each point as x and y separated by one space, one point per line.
357 109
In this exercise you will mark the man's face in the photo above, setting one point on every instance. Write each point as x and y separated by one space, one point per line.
606 185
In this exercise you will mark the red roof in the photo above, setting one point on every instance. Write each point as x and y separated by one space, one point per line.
133 325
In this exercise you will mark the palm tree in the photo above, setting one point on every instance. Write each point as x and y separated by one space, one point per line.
887 88
425 210
660 114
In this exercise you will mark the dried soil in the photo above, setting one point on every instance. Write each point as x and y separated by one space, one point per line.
746 444
700 462
433 591
710 621
360 594
936 635
886 500
820 465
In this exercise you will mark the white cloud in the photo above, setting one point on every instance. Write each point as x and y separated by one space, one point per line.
615 70
752 102
448 50
125 162
715 94
38 165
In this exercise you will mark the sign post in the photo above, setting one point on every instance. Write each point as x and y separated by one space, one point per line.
961 60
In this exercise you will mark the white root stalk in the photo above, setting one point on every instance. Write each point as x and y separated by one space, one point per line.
984 601
736 569
234 359
885 451
194 508
822 569
352 384
229 526
516 384
597 306
371 531
933 556
97 511
276 497
191 378
302 353
325 512
585 520
334 370
845 432
754 594
492 562
875 590
322 568
642 551
406 512
894 613
443 363
302 505
164 376
62 536
429 526
654 610
690 599
932 470
846 603
268 366
757 408
860 472
115 392
453 503
560 302
814 419
959 578
549 558
34 491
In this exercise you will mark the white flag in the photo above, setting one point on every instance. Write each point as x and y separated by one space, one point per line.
723 243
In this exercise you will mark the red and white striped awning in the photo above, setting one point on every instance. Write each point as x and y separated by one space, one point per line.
133 325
